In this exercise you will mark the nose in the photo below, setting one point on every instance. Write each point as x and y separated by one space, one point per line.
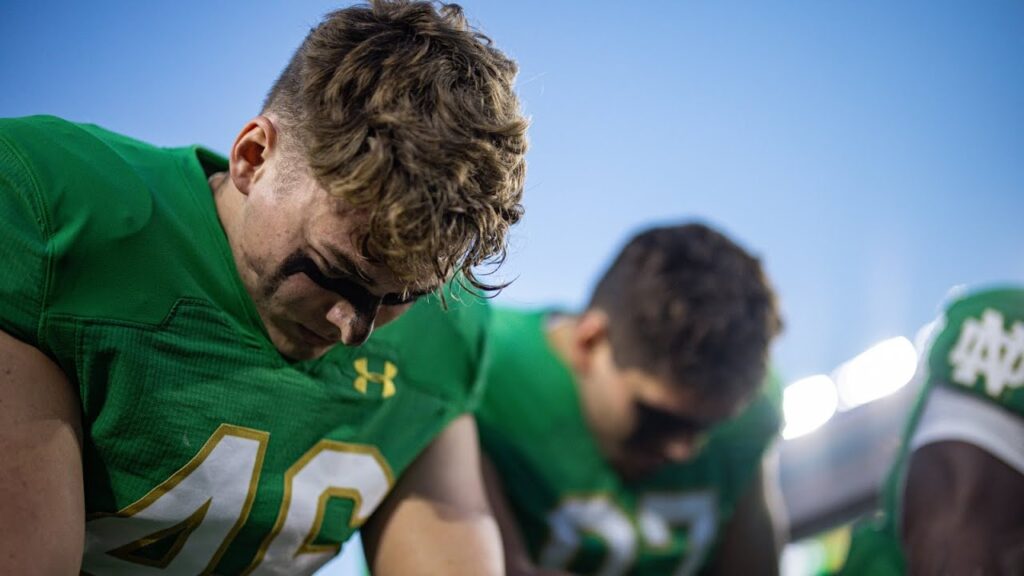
354 324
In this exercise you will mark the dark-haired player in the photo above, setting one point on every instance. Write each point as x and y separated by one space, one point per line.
629 438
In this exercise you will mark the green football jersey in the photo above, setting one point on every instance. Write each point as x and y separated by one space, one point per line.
573 510
205 451
977 350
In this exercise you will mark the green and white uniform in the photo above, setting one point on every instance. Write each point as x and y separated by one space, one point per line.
205 451
573 510
973 391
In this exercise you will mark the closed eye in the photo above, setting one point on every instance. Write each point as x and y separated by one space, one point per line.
397 299
344 286
403 299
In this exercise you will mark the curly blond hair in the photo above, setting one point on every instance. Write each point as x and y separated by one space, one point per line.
408 114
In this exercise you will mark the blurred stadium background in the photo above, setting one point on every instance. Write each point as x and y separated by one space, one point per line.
871 152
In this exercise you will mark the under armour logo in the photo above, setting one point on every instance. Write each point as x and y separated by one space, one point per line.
985 349
385 379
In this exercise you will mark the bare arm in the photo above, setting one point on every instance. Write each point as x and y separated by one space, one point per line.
750 545
963 512
41 495
437 521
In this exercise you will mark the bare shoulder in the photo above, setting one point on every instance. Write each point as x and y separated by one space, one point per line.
961 477
963 511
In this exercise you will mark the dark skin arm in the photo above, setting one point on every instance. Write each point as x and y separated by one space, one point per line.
436 520
750 544
963 513
42 503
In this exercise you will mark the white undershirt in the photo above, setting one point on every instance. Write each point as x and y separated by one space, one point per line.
960 416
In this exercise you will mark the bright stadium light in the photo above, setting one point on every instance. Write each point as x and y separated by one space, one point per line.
877 372
807 404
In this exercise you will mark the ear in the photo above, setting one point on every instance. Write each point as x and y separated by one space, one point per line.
589 334
253 147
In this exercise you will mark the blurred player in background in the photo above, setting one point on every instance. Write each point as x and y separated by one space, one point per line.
630 438
171 397
954 502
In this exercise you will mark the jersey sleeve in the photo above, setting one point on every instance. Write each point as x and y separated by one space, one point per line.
470 316
23 242
974 373
951 415
980 348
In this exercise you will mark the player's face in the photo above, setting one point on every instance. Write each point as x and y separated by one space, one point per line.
643 422
671 424
312 287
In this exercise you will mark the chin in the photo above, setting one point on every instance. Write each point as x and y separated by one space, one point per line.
294 347
297 351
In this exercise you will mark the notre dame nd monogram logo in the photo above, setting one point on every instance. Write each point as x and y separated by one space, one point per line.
986 349
386 379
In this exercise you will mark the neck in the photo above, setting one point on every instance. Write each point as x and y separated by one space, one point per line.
229 206
561 334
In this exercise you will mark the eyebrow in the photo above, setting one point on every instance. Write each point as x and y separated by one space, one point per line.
346 267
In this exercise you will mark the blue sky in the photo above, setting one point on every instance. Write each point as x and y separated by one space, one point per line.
872 152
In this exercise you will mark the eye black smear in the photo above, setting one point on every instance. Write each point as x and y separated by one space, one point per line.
347 286
654 425
298 263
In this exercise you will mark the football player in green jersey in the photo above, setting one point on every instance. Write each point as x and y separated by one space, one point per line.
630 438
954 502
171 397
